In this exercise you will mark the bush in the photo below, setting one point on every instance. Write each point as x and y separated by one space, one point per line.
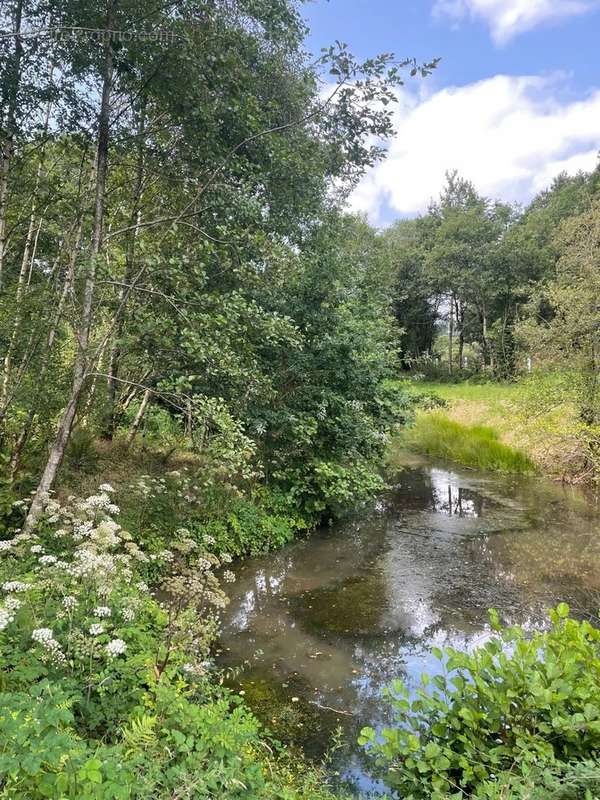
518 712
428 401
47 759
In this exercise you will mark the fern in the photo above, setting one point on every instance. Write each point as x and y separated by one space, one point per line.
140 734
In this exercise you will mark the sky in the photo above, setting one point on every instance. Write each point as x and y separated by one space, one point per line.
514 101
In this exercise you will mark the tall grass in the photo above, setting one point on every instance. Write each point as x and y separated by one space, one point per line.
474 446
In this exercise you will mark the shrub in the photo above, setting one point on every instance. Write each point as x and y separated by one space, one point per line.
519 711
43 756
429 401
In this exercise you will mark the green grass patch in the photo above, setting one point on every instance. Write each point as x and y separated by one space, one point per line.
475 446
491 392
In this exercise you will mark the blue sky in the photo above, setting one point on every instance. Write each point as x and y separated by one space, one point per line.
515 100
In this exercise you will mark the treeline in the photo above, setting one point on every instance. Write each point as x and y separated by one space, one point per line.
478 285
171 249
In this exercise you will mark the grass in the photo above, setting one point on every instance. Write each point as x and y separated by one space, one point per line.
477 446
535 415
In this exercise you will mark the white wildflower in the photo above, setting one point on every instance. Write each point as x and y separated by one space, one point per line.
12 603
209 540
60 533
45 638
47 560
228 576
128 614
42 635
142 586
102 611
69 602
4 546
96 629
105 534
105 487
37 548
6 617
15 586
115 647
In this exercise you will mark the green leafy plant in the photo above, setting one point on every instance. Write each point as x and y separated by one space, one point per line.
522 707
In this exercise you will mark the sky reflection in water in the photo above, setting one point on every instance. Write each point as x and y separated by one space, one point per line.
332 620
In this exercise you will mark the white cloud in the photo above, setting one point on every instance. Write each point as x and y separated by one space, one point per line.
507 18
509 135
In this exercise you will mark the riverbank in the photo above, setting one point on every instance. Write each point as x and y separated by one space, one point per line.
109 618
526 416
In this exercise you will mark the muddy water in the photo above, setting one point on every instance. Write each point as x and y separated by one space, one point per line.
324 625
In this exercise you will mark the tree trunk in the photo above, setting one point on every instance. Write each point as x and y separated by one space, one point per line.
134 223
139 417
66 289
451 335
484 336
460 320
7 143
80 366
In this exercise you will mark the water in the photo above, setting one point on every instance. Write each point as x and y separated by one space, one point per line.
325 624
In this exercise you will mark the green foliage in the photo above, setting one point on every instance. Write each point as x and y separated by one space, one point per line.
107 694
251 526
327 489
471 269
474 446
429 401
81 453
44 757
514 714
184 749
562 328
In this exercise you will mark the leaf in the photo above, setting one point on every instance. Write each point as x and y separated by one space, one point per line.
562 609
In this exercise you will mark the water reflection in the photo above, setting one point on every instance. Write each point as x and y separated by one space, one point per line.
336 618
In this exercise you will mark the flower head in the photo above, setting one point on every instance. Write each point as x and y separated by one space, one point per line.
6 617
115 647
15 586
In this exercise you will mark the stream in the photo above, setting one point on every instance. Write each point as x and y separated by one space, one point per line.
326 623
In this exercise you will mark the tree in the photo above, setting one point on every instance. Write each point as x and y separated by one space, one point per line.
563 326
150 213
416 303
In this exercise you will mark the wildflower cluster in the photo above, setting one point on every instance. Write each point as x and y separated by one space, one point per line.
88 607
